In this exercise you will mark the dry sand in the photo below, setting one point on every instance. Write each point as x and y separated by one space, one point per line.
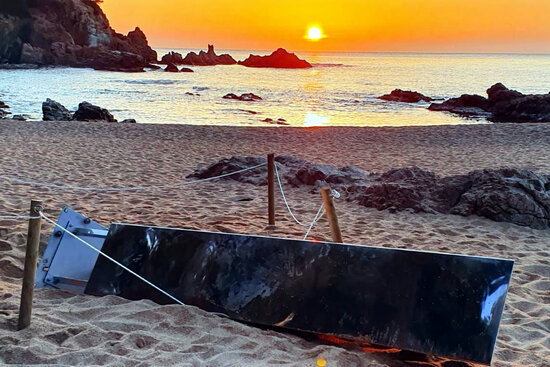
84 330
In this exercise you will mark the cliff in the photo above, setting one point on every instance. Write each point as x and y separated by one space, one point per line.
70 33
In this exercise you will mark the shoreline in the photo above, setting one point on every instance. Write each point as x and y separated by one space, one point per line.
69 329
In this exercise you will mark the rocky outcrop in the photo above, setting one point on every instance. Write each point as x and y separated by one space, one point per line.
246 97
510 195
89 112
70 33
3 108
172 58
278 59
186 70
128 121
208 58
55 111
279 121
502 105
406 96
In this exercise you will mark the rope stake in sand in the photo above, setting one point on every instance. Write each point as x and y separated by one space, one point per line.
315 220
129 188
111 259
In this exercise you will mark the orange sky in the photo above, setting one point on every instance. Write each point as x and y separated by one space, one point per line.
350 25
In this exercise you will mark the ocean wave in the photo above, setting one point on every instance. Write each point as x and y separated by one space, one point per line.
152 81
325 65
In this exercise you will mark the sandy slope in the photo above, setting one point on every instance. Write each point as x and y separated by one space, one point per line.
69 330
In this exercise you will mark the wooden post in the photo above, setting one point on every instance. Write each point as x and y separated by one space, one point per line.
331 215
271 188
31 262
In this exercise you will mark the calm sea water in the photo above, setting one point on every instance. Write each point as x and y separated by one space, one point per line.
339 90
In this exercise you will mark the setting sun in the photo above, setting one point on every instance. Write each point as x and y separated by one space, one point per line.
314 34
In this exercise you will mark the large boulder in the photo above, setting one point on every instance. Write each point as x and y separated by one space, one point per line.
208 58
278 59
89 112
72 33
171 68
398 95
503 105
55 111
466 105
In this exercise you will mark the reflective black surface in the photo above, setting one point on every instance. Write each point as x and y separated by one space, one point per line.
440 304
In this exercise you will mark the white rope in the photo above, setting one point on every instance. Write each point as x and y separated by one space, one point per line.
129 188
285 200
111 259
15 217
315 220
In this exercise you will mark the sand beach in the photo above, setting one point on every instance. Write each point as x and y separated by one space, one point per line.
72 329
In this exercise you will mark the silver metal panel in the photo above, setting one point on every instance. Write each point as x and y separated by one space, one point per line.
67 263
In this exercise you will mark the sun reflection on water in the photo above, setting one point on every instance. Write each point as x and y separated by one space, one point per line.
313 119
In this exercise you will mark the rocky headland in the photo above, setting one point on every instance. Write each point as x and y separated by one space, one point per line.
208 58
72 33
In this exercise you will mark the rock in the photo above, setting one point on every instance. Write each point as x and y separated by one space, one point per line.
247 97
19 118
55 111
171 68
128 121
505 195
172 58
279 121
88 112
466 105
3 113
398 95
278 59
71 33
208 58
503 105
192 94
3 105
186 70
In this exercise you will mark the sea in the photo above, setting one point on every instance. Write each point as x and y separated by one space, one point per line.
340 90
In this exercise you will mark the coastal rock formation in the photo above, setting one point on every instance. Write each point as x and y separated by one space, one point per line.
3 112
278 59
55 111
89 112
208 58
398 95
128 121
70 33
279 121
502 105
172 58
171 68
247 97
186 70
505 195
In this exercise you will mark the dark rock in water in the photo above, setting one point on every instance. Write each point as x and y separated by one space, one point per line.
19 118
398 95
186 70
172 58
247 97
128 121
503 105
3 105
3 113
171 68
192 94
208 58
504 195
278 59
88 112
55 111
71 33
277 122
